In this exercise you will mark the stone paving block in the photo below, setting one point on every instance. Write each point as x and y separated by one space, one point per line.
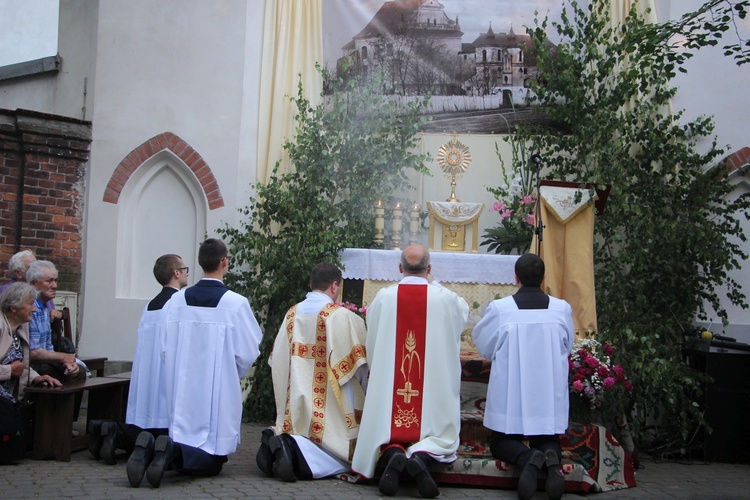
85 477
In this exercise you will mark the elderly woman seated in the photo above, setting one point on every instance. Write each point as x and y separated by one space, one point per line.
16 306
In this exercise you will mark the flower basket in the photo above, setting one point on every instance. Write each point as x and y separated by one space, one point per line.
515 205
516 228
596 382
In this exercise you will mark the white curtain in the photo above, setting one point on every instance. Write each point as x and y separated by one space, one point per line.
619 10
292 44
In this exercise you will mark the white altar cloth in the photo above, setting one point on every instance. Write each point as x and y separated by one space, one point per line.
447 267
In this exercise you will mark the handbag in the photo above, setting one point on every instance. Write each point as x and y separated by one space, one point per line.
64 344
60 341
11 432
23 415
26 409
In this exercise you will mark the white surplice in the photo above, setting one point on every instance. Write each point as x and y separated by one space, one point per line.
528 389
293 367
206 350
147 401
441 418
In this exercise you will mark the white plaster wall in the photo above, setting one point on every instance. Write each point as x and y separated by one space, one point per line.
187 67
716 86
64 93
21 25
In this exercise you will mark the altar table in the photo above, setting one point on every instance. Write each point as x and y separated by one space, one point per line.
475 277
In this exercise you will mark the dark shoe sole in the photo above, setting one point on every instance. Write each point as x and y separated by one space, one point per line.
283 462
95 437
389 481
527 481
264 459
426 485
162 459
555 484
109 442
140 458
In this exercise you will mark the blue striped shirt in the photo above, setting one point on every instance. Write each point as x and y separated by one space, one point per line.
40 328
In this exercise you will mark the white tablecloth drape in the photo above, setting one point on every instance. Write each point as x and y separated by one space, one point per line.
447 267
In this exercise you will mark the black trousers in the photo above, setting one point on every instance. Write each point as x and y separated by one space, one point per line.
511 448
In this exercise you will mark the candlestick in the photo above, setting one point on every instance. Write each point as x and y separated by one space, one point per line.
379 223
397 227
414 224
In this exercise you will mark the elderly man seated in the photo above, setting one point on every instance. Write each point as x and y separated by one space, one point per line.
42 275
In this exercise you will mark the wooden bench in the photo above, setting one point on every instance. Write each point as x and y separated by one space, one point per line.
95 365
53 423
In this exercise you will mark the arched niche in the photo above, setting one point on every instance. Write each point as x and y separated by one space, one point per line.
162 209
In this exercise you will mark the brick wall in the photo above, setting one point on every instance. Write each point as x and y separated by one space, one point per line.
43 160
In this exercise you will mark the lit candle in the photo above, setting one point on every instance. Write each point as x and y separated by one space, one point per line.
397 213
379 223
379 215
414 224
396 228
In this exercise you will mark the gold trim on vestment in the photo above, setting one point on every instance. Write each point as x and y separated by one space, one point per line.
287 427
320 379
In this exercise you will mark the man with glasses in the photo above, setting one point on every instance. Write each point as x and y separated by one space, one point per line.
209 343
147 407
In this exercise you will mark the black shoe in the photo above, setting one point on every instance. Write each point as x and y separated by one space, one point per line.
389 481
163 453
140 458
110 437
95 437
417 468
555 484
527 481
265 457
283 458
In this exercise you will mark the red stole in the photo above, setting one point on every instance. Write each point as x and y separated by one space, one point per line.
408 380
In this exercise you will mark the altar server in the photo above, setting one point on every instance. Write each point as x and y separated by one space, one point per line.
210 341
412 408
147 404
528 337
319 372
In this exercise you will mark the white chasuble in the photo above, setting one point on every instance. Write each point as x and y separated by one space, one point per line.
315 358
147 401
413 394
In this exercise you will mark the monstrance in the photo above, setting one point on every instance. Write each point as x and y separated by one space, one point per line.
454 158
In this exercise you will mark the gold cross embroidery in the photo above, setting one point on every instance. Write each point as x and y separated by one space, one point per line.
407 392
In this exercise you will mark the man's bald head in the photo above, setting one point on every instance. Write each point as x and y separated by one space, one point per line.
415 261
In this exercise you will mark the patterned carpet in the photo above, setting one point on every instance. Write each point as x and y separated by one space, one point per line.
593 460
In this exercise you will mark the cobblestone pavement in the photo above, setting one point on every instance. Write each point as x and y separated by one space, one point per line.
84 477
